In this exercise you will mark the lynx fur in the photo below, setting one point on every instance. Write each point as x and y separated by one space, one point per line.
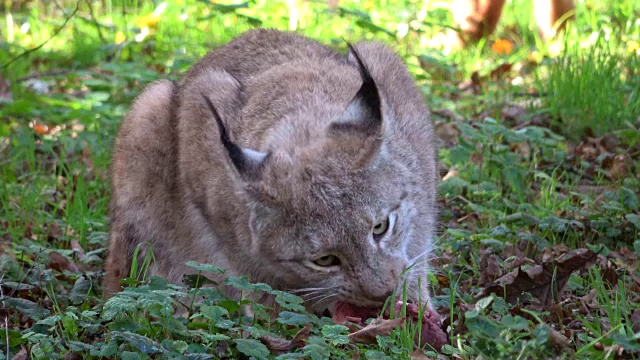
277 158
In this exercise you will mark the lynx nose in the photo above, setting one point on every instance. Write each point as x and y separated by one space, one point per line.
381 298
381 291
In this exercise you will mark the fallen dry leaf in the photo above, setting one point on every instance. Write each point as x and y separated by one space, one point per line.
380 326
53 231
281 346
21 355
609 274
489 268
73 356
499 72
521 148
419 354
77 248
473 85
514 262
621 166
588 302
557 339
543 281
60 262
476 158
448 133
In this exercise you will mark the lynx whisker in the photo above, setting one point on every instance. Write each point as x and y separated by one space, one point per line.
317 295
425 253
324 299
309 289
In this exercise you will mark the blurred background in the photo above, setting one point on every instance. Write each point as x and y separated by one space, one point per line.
168 36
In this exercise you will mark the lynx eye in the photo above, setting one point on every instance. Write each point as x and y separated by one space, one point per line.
381 228
327 260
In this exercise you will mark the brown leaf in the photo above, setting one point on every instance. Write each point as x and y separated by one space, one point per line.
53 232
522 148
588 302
514 262
382 327
448 133
443 281
472 84
77 248
476 158
609 142
526 248
72 356
543 281
499 72
279 346
419 354
557 339
60 262
557 313
586 151
621 165
21 355
610 275
489 268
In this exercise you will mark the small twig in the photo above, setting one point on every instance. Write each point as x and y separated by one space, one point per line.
37 75
55 33
95 22
24 277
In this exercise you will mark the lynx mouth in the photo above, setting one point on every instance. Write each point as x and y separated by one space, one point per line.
347 312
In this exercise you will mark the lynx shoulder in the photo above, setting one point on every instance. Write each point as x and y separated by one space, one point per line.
280 159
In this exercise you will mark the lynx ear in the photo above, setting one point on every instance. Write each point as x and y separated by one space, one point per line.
249 163
364 112
361 121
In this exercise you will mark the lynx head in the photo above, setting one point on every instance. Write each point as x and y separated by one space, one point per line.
342 217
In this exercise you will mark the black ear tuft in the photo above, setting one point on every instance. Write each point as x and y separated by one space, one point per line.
247 162
368 92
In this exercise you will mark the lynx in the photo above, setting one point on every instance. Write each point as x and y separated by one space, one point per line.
280 159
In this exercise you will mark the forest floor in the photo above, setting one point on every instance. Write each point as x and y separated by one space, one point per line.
538 249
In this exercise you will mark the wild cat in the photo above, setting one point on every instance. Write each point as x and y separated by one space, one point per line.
280 159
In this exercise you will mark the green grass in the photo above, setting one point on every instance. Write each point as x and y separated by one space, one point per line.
525 187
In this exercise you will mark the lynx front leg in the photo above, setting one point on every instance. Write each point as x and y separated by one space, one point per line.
142 175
